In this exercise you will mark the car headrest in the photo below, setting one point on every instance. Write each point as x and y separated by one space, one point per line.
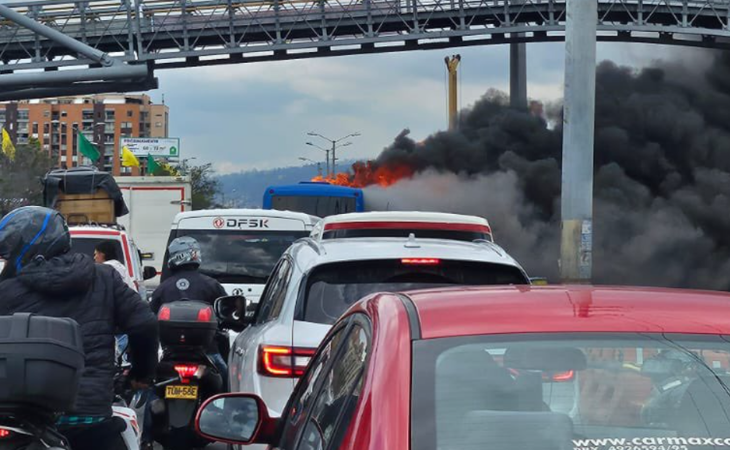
546 359
501 430
463 361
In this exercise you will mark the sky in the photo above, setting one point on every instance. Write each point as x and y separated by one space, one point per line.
257 115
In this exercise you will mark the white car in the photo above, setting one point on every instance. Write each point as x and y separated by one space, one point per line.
316 281
85 238
241 246
432 225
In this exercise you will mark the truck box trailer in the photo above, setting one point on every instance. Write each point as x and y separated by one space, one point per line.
153 203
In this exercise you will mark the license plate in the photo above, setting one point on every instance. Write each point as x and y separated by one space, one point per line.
182 392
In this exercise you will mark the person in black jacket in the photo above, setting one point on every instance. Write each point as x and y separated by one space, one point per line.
187 283
40 276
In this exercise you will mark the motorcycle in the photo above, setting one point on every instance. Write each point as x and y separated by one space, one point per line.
186 374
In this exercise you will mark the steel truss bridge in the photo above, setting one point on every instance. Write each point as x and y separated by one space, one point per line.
121 42
183 33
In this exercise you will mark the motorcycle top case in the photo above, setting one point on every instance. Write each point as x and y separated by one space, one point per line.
41 360
187 323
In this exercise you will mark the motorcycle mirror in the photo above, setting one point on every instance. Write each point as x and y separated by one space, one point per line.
149 273
231 311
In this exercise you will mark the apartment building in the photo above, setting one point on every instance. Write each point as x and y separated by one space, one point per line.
102 119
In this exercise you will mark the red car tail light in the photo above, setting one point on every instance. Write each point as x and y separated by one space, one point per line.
5 433
558 377
285 362
421 261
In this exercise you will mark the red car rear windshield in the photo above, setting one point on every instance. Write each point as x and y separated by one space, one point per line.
332 288
572 392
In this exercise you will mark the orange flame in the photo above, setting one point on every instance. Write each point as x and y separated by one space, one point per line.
367 174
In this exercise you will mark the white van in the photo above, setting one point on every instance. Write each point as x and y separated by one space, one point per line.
240 247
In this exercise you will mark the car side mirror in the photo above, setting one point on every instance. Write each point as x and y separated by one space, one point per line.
232 312
149 273
239 419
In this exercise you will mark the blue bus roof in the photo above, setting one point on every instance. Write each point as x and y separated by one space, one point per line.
313 188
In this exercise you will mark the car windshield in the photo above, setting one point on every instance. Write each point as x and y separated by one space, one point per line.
87 245
572 392
241 256
320 206
333 288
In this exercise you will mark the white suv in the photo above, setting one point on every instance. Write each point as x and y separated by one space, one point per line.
315 282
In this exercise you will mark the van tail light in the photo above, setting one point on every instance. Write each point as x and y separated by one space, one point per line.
205 314
164 313
189 371
557 377
421 261
284 362
4 434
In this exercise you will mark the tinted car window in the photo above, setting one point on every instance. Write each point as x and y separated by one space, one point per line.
576 391
87 246
320 206
275 293
240 256
338 396
305 393
333 288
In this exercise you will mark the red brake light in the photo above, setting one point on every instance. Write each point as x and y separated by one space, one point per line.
186 370
558 377
284 361
422 261
4 433
204 315
164 313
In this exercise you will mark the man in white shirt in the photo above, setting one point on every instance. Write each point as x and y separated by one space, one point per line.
106 253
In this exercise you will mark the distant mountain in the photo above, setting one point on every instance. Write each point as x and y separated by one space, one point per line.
246 189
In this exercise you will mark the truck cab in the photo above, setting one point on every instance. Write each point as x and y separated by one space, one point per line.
240 247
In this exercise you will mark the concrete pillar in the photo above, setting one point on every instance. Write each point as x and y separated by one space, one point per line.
518 75
576 252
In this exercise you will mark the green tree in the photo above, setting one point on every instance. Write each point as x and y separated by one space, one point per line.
20 179
205 186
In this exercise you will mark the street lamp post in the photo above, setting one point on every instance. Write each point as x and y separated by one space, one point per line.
327 158
319 164
334 143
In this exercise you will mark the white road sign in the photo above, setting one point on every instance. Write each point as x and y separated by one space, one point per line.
163 147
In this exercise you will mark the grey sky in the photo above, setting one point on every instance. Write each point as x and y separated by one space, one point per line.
248 116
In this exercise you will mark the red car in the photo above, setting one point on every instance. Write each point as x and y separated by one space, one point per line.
506 368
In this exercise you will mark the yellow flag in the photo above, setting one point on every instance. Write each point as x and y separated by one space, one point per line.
8 147
128 158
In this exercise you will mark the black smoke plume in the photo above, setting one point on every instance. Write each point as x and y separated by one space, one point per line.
662 176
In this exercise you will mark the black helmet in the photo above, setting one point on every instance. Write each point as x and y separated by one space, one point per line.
29 233
184 251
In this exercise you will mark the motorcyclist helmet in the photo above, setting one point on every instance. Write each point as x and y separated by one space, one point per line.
32 233
184 252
